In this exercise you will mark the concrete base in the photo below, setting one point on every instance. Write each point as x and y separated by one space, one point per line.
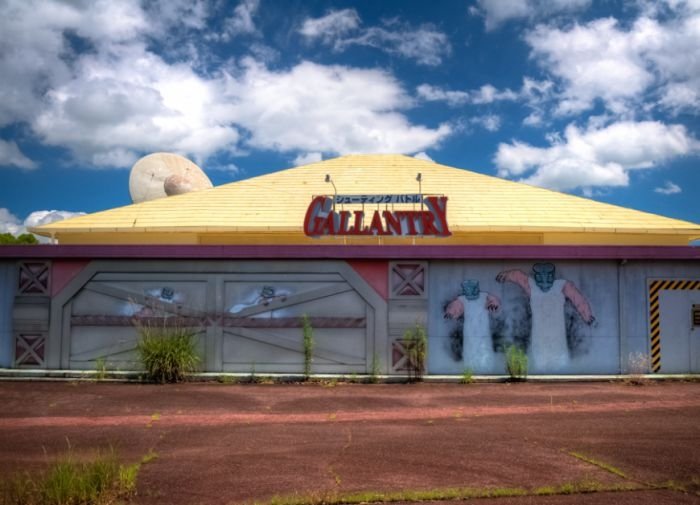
23 374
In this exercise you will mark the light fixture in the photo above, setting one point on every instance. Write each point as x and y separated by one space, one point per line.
335 190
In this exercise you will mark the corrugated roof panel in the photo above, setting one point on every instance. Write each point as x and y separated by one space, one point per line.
279 200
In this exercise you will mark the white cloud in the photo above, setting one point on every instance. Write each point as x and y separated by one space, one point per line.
490 122
332 26
42 217
489 94
307 158
437 94
9 223
497 12
486 94
129 101
230 168
241 22
669 188
317 108
164 15
341 29
622 67
110 105
595 157
10 155
425 45
423 156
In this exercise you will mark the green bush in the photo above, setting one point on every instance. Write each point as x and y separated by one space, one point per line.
308 334
168 354
416 344
374 371
516 362
68 482
467 376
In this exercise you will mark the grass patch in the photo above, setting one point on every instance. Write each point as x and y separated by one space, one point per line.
100 481
374 372
467 376
516 363
638 365
151 455
308 341
227 379
101 368
444 494
599 464
416 345
167 353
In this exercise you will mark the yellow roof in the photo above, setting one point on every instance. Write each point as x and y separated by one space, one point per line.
271 209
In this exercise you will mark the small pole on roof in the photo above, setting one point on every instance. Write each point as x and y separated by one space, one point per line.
335 191
419 178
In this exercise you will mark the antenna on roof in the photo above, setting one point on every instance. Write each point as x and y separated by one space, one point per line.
419 178
335 190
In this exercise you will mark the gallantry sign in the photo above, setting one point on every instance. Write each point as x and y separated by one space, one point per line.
322 218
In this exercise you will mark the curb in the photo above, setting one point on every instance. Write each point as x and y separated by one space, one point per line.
11 374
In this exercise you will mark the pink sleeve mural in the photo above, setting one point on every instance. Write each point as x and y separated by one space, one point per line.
516 277
579 302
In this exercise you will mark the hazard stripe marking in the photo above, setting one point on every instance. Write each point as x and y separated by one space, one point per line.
655 289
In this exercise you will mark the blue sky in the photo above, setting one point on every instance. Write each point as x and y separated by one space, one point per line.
599 99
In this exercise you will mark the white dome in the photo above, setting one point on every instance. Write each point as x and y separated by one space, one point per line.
163 174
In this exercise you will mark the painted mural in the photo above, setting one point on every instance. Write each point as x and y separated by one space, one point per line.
263 296
549 347
475 308
541 311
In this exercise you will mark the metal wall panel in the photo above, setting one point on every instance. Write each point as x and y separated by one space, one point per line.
8 286
679 346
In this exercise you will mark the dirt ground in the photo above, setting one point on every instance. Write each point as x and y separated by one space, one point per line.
222 443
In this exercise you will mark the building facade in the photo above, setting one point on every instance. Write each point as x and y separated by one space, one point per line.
366 247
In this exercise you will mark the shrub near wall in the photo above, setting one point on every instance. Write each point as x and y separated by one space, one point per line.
168 354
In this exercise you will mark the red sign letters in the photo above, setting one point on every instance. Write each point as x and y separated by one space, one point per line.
321 219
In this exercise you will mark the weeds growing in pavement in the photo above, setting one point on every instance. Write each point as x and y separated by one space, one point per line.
168 353
101 368
516 363
451 494
227 379
374 372
308 335
600 464
100 481
467 376
253 378
416 344
638 365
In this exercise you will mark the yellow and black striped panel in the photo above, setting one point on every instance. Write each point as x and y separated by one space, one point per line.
655 289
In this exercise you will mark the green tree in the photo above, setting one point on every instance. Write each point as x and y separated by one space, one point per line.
23 239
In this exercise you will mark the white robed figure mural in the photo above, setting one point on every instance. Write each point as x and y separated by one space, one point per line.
549 350
477 344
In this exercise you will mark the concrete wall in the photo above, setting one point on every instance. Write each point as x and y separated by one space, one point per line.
246 314
680 347
361 313
8 285
617 341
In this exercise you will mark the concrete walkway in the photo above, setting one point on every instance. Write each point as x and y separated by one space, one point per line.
222 443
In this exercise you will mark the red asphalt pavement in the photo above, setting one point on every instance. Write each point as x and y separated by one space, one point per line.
221 444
